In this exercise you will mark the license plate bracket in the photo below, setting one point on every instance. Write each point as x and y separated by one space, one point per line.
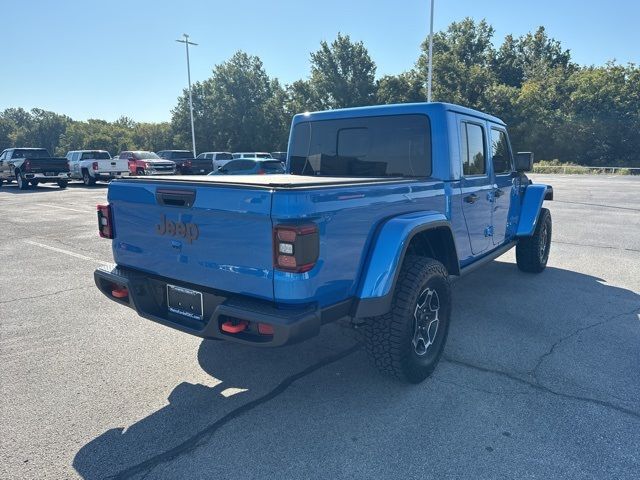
185 301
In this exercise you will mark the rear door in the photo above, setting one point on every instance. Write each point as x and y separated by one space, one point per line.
214 236
476 183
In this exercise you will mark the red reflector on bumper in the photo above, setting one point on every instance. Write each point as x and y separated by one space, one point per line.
230 327
120 292
265 329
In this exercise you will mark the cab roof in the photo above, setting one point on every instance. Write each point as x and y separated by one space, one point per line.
395 109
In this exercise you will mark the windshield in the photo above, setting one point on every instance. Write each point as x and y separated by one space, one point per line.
26 153
95 156
146 155
385 146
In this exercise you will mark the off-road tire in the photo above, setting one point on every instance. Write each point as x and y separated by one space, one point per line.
532 253
23 184
389 338
63 183
87 179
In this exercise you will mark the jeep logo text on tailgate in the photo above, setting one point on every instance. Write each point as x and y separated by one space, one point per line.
188 231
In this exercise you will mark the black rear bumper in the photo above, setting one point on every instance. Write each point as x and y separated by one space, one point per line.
147 296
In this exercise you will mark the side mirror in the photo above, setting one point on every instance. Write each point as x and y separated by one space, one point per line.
524 161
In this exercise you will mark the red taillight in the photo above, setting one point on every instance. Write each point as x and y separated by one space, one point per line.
261 172
295 247
94 165
105 221
26 166
187 163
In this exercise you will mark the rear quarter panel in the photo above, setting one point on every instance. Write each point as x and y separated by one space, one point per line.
348 218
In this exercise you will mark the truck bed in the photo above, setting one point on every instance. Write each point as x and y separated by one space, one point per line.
278 181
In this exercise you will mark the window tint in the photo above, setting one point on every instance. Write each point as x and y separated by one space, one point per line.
95 156
33 153
176 155
238 165
146 155
393 145
473 150
224 156
500 154
272 167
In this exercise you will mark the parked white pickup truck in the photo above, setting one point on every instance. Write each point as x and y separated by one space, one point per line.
92 165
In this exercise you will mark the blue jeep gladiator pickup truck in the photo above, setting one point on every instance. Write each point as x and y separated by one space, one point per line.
379 207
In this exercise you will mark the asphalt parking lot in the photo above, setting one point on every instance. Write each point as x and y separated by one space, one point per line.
541 375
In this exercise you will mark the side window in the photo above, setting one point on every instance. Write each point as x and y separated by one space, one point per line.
474 152
3 156
500 153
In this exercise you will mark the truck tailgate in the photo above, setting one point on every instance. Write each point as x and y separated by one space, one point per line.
215 236
113 165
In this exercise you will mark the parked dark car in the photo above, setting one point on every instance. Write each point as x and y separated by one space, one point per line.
31 166
185 162
250 166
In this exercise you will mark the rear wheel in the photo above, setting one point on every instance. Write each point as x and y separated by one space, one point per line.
532 253
23 184
63 183
87 179
408 341
34 183
140 171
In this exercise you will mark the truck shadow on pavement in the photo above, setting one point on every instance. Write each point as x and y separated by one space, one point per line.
528 320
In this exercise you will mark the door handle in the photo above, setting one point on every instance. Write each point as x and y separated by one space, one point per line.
473 198
498 193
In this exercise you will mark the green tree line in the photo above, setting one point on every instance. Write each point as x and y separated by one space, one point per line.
588 115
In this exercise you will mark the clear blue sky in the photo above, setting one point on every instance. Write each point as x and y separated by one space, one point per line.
105 59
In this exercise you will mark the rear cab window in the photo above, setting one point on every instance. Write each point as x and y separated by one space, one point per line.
272 167
238 165
95 156
382 146
31 153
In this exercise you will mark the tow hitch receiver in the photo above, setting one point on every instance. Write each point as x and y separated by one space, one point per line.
230 327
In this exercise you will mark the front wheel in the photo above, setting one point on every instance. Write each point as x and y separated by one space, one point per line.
532 253
63 183
407 342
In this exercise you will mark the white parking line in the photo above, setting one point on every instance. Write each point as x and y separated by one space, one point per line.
67 252
63 208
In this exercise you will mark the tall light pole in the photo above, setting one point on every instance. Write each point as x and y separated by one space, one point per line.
193 133
430 71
